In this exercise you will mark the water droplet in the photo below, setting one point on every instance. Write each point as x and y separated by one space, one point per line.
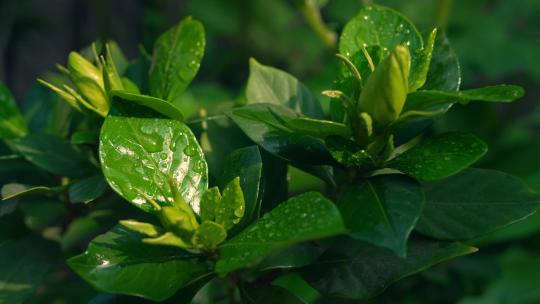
366 17
190 150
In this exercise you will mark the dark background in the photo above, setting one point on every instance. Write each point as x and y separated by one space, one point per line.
497 41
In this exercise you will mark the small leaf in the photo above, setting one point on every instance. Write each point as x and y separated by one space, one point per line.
176 60
168 239
14 190
352 270
12 124
53 154
209 203
418 75
87 190
383 210
209 235
440 156
143 158
136 105
473 203
142 228
119 262
349 153
270 85
444 71
245 163
231 207
302 218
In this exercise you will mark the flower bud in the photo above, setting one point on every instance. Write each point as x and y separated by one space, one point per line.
89 81
178 222
386 90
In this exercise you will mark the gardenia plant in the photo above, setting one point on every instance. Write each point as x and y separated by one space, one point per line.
399 198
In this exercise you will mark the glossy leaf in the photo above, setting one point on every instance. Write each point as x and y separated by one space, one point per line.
270 85
246 163
353 270
382 210
418 76
23 265
265 125
378 26
230 209
53 154
87 190
144 157
440 156
118 262
444 71
136 105
302 218
317 127
12 124
422 100
474 202
176 60
349 153
209 235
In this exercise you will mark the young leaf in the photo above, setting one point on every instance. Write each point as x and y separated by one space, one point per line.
119 262
176 60
473 203
383 210
440 156
209 235
12 124
231 207
270 85
444 72
148 158
265 125
87 190
302 218
136 105
378 26
53 154
418 76
352 270
209 202
247 164
146 229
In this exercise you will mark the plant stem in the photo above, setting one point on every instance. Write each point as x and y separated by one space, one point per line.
311 13
443 12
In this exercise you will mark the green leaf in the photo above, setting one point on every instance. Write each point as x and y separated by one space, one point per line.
176 60
12 124
382 210
317 127
209 202
245 163
302 218
353 270
85 137
136 105
14 190
295 256
265 125
119 262
349 153
295 284
88 189
230 209
23 265
209 235
440 156
421 100
418 76
473 203
146 229
53 154
143 158
378 26
270 85
444 71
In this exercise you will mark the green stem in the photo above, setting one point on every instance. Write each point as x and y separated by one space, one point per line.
443 12
310 10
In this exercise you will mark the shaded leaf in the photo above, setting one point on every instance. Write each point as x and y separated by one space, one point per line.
88 189
136 105
12 124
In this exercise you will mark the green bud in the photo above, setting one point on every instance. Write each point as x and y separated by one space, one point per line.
89 81
179 222
386 90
